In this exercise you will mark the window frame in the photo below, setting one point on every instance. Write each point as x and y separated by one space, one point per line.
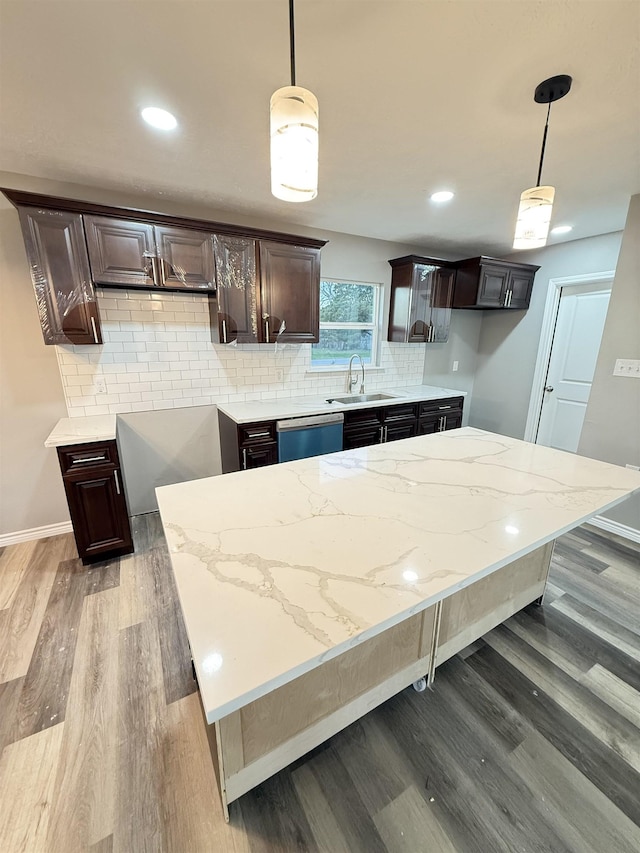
374 326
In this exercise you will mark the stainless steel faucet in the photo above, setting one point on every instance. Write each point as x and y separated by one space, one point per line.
353 380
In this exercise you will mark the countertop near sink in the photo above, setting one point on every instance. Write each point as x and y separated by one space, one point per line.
293 407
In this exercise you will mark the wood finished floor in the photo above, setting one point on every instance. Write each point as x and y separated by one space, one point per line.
530 740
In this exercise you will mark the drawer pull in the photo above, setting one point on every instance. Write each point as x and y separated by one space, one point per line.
258 434
115 477
444 407
89 459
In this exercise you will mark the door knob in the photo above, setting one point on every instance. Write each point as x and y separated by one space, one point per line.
549 388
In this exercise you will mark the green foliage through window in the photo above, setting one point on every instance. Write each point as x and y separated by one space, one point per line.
348 323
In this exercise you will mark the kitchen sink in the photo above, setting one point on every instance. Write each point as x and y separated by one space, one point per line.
360 398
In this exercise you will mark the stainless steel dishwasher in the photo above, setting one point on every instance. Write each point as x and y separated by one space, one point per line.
299 438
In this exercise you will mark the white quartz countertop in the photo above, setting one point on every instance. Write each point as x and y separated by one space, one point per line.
292 407
281 568
82 430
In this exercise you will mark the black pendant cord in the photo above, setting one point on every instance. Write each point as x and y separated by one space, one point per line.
544 143
292 44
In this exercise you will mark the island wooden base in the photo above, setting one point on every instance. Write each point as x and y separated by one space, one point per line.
250 745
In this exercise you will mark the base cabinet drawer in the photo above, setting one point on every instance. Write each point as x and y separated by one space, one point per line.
258 455
95 494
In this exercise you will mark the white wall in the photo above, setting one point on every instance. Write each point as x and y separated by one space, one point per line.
509 340
611 430
462 346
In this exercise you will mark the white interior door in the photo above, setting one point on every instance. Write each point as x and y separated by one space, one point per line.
576 341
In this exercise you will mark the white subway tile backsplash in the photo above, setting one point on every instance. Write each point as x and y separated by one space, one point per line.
158 354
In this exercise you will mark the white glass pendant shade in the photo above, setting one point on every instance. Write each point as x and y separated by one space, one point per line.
294 144
534 216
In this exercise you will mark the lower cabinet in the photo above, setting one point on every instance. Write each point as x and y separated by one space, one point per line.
253 445
439 415
245 446
95 494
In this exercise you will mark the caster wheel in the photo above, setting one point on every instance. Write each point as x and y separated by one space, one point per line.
420 685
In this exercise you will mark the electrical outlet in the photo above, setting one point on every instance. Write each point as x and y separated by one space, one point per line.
279 372
627 367
99 385
455 366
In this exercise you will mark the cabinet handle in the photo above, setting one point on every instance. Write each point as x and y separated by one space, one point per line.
115 477
259 434
510 297
94 330
89 459
381 435
386 433
155 273
266 325
244 458
444 422
443 407
224 331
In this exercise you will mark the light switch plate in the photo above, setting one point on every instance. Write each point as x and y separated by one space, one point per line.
627 367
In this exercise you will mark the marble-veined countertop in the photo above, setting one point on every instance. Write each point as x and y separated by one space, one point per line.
82 430
281 568
294 407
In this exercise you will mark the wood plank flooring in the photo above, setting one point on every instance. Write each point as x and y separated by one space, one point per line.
529 741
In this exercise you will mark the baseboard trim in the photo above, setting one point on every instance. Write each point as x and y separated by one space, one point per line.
615 527
35 533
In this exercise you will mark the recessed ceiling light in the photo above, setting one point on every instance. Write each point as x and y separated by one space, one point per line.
443 195
159 118
562 229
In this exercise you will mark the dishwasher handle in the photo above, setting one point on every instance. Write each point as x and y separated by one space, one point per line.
309 422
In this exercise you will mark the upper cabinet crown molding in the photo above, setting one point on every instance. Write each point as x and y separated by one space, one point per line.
21 199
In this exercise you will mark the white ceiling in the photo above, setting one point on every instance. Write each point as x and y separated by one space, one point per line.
415 96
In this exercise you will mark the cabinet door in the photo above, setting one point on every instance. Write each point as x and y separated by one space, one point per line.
290 293
361 437
453 420
121 252
429 424
520 286
420 311
185 258
236 290
98 512
395 431
258 455
442 301
59 266
492 287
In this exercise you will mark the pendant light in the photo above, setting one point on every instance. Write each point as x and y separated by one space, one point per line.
536 204
294 136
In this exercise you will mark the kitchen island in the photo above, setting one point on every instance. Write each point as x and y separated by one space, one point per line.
314 590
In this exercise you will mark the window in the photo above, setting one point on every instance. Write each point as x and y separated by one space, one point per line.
348 323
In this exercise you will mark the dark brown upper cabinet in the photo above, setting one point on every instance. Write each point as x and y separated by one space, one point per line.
234 311
421 299
267 280
136 254
289 293
491 283
185 258
59 265
120 252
